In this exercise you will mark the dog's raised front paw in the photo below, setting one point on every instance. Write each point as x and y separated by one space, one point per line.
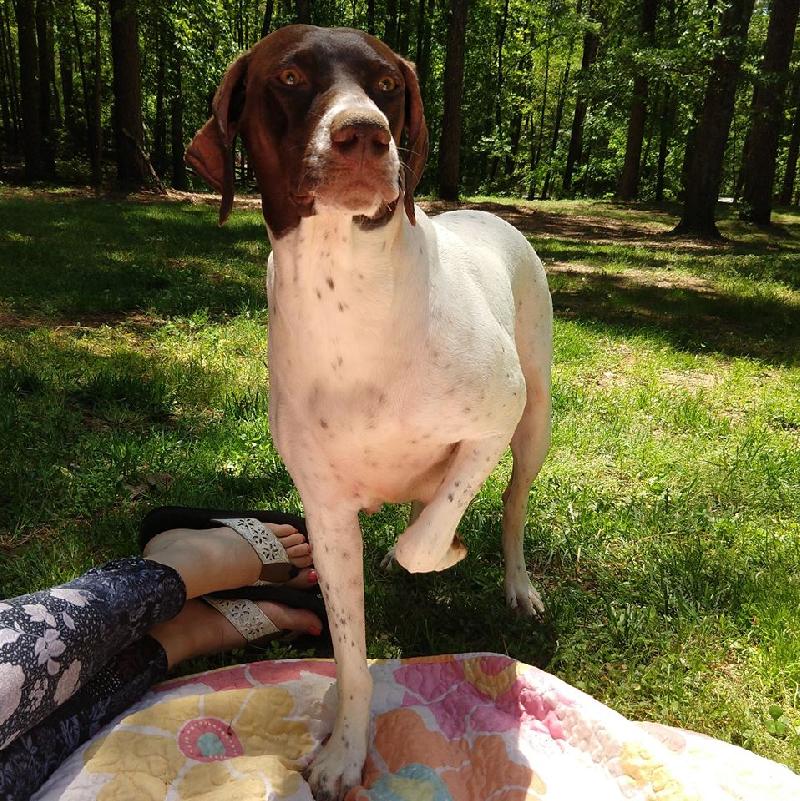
521 595
336 769
416 555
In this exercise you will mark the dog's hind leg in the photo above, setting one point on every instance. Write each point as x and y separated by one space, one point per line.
529 447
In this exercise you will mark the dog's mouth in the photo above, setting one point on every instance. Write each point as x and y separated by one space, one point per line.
304 202
366 193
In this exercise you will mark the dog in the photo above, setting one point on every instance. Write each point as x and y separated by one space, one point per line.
405 353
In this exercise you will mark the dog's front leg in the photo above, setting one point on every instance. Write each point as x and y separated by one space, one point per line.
430 542
336 540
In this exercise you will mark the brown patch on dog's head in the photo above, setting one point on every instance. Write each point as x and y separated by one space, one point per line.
279 97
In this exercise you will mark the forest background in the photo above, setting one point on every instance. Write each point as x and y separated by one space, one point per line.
656 100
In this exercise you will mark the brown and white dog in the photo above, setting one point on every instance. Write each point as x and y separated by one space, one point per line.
405 353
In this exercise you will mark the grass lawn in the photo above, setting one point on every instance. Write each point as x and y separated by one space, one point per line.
664 528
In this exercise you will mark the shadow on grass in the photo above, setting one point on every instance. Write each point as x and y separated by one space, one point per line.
691 316
83 256
102 438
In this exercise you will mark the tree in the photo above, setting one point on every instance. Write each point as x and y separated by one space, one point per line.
591 44
704 173
66 72
303 12
176 123
29 88
44 42
9 92
790 173
159 155
629 181
266 22
450 143
535 111
133 164
761 146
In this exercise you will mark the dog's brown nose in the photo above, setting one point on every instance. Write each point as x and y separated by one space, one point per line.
360 140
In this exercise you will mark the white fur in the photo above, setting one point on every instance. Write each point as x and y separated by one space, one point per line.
350 101
403 361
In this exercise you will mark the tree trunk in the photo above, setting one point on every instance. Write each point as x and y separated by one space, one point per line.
562 95
134 169
44 43
87 103
96 124
629 182
705 170
13 99
266 22
66 71
668 111
761 145
789 175
29 88
390 24
421 32
502 27
304 12
176 125
450 142
424 50
404 27
515 135
536 150
160 125
371 17
5 103
591 43
7 89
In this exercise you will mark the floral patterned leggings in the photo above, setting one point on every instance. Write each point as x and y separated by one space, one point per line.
74 657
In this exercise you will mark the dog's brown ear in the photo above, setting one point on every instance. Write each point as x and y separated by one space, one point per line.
416 136
210 153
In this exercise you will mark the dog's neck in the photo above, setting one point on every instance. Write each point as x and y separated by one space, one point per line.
338 287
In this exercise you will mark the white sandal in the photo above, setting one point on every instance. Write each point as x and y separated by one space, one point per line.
245 616
265 543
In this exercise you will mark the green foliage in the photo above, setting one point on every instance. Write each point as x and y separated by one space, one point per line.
523 79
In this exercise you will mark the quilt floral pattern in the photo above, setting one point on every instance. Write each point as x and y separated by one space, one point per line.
469 727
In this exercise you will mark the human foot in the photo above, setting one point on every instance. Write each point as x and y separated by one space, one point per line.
199 629
221 558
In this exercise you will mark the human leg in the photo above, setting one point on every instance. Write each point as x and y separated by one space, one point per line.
54 641
32 758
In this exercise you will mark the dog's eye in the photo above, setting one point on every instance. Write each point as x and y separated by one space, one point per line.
290 78
387 84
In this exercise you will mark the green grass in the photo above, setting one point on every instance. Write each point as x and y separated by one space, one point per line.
664 528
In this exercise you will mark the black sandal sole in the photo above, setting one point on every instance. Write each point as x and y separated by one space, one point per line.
164 518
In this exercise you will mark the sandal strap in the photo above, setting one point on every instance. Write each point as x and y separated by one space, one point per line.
245 616
264 542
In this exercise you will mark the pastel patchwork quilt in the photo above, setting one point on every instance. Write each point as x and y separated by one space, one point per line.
471 727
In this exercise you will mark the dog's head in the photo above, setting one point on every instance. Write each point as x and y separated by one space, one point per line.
329 117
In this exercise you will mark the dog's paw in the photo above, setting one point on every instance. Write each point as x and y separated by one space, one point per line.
522 596
336 769
416 556
389 563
